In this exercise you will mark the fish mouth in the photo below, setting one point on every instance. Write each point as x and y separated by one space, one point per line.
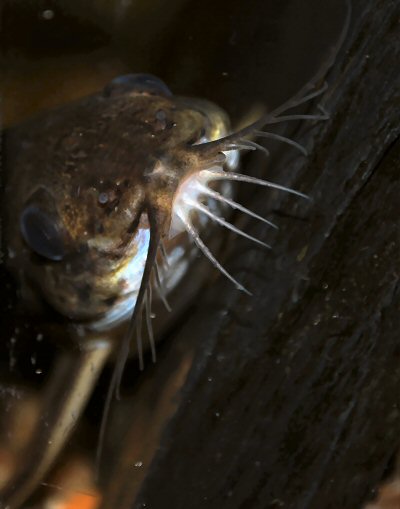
92 297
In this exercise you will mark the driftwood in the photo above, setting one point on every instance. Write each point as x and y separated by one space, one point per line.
292 397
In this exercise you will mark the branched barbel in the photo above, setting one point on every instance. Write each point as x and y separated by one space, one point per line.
91 243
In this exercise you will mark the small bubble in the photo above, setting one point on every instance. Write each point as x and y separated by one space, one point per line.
103 198
48 14
317 320
161 118
39 337
217 414
161 115
139 464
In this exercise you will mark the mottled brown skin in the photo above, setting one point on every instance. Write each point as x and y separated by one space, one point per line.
96 167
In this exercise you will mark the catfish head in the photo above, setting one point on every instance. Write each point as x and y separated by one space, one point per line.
92 183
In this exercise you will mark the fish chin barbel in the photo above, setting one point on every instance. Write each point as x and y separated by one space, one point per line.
124 176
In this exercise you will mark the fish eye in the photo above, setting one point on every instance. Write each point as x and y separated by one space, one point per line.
41 233
140 83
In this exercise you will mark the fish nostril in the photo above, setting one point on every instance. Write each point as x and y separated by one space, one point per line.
42 233
140 83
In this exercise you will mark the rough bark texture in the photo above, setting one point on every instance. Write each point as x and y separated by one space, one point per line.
293 396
